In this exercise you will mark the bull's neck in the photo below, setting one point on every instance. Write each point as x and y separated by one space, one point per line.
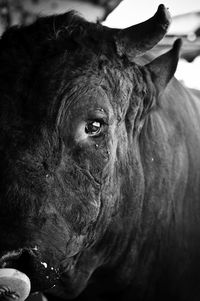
171 166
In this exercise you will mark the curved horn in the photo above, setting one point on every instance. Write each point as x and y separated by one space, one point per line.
137 39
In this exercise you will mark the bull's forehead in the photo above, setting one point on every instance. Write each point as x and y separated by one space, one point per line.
89 89
82 78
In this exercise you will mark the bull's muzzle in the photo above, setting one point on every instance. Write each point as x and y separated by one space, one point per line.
23 271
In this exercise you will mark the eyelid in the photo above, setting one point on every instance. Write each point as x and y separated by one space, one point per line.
102 118
102 121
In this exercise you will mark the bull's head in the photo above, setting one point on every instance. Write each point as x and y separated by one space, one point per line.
73 104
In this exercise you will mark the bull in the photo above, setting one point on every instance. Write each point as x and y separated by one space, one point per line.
99 162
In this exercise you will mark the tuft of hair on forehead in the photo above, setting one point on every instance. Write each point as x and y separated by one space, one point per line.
46 30
25 46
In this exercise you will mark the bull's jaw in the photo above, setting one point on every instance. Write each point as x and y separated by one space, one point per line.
75 273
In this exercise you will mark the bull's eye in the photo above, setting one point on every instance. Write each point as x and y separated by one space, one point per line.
93 128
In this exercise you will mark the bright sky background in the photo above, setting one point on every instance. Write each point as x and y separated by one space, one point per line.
130 12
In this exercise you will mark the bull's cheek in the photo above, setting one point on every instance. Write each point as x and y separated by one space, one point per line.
98 164
81 221
94 159
75 274
83 215
75 245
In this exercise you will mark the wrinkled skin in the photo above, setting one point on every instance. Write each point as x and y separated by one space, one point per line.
115 214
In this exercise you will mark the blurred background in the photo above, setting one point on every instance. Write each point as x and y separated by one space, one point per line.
122 13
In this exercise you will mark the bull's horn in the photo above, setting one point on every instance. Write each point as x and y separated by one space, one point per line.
137 39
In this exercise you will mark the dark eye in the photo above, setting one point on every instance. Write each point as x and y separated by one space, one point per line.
93 128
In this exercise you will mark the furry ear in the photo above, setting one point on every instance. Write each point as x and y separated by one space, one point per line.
163 67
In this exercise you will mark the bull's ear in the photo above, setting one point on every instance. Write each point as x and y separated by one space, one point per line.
163 67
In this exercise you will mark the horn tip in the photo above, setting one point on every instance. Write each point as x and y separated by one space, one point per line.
163 15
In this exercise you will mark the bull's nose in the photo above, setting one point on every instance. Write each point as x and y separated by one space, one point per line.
29 262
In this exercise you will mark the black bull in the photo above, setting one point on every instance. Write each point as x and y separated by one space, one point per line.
99 162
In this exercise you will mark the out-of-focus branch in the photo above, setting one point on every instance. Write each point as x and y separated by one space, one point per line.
108 5
5 16
14 12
